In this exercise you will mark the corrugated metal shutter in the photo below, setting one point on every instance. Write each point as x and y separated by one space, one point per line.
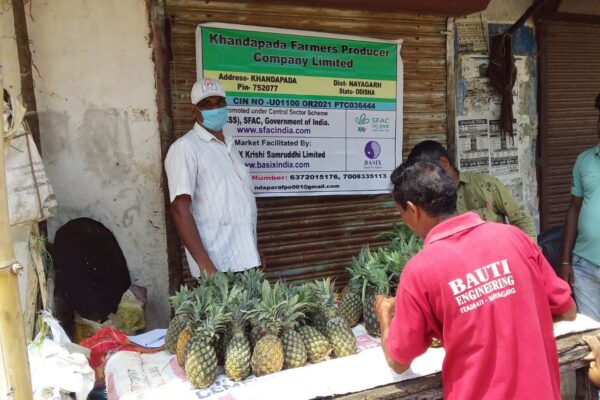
570 81
308 237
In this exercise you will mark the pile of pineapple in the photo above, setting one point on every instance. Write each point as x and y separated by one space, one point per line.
376 272
248 325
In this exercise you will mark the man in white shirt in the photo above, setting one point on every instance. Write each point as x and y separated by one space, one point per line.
210 189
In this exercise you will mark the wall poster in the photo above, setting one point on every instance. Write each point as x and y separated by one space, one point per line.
481 146
310 113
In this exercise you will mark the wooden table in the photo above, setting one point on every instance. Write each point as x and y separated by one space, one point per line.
571 349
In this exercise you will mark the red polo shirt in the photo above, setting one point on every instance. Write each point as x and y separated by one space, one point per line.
489 294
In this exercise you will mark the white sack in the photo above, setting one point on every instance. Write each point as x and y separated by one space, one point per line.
54 371
30 196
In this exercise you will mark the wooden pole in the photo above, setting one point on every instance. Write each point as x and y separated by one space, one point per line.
15 379
161 54
25 63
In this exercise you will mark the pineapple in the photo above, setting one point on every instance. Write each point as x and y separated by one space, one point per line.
201 358
319 321
227 294
351 306
238 353
182 340
251 281
316 319
351 302
371 321
370 274
182 307
258 331
267 356
202 297
379 285
317 346
337 330
294 351
404 244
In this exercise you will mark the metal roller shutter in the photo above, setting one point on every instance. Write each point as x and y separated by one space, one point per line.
308 237
570 81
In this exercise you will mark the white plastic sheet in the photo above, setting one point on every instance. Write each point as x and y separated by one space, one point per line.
55 372
132 376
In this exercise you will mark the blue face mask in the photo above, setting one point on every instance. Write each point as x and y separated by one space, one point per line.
214 119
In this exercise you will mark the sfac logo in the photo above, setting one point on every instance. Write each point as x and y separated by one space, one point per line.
361 120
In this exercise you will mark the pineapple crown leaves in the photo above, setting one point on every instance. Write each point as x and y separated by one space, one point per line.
200 300
198 306
251 280
295 308
240 308
393 261
324 291
271 308
406 242
293 312
215 322
399 230
226 290
204 280
368 271
306 296
181 301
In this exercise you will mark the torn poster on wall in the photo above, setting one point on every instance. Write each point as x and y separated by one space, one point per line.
473 144
479 143
472 37
481 146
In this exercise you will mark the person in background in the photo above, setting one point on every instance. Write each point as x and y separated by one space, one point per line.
481 193
483 288
580 255
210 189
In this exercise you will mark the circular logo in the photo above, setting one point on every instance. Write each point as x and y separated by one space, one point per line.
372 150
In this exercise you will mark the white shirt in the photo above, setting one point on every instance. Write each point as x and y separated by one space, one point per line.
223 205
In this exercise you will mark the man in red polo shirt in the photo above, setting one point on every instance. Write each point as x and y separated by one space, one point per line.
483 288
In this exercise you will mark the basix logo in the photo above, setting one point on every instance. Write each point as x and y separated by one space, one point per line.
372 149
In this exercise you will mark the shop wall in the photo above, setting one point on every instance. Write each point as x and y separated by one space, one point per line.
95 90
478 102
569 83
305 238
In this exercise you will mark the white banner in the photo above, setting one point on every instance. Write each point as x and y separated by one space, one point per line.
310 113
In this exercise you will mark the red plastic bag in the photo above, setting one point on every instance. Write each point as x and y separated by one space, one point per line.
106 341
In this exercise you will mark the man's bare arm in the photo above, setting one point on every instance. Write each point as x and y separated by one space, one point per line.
569 236
384 309
568 315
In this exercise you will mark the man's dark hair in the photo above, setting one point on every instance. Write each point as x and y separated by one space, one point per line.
428 150
427 186
598 102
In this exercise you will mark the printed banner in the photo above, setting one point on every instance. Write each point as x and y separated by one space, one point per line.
310 113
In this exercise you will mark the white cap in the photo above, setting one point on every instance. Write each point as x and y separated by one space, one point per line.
205 88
